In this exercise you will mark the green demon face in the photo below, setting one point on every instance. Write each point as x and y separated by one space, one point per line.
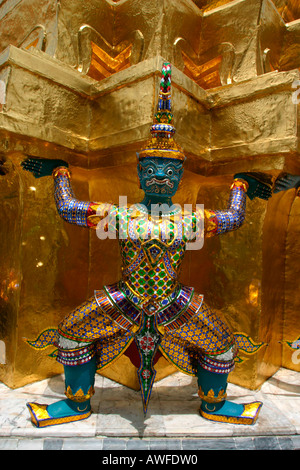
160 176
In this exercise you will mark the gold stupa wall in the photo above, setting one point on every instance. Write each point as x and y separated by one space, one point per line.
79 81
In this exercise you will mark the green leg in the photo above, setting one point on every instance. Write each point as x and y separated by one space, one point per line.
215 407
79 383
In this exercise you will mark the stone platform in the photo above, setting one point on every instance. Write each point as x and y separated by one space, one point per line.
172 423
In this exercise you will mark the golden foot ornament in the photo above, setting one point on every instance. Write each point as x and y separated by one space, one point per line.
41 418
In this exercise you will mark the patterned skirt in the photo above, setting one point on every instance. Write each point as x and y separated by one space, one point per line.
106 325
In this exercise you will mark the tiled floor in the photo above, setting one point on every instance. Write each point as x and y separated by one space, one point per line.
172 420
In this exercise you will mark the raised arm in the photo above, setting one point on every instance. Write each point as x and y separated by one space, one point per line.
68 207
218 222
251 184
84 214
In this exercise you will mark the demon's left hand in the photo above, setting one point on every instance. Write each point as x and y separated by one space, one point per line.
260 184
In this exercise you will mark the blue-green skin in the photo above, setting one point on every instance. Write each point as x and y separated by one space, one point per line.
159 179
209 380
165 174
77 377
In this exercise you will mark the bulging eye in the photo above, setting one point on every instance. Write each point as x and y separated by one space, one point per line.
150 171
170 172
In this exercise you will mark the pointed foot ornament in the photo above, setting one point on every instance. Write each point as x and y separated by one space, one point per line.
41 417
232 413
77 405
214 403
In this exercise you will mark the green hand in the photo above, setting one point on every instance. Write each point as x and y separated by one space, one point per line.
260 184
40 167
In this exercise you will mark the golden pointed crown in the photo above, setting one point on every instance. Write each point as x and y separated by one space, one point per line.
161 142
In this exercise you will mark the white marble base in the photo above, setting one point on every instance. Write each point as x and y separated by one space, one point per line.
173 410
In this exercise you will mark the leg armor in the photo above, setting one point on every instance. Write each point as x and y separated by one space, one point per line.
212 382
78 356
79 387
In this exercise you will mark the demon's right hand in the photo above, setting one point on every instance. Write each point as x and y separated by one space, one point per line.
40 167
